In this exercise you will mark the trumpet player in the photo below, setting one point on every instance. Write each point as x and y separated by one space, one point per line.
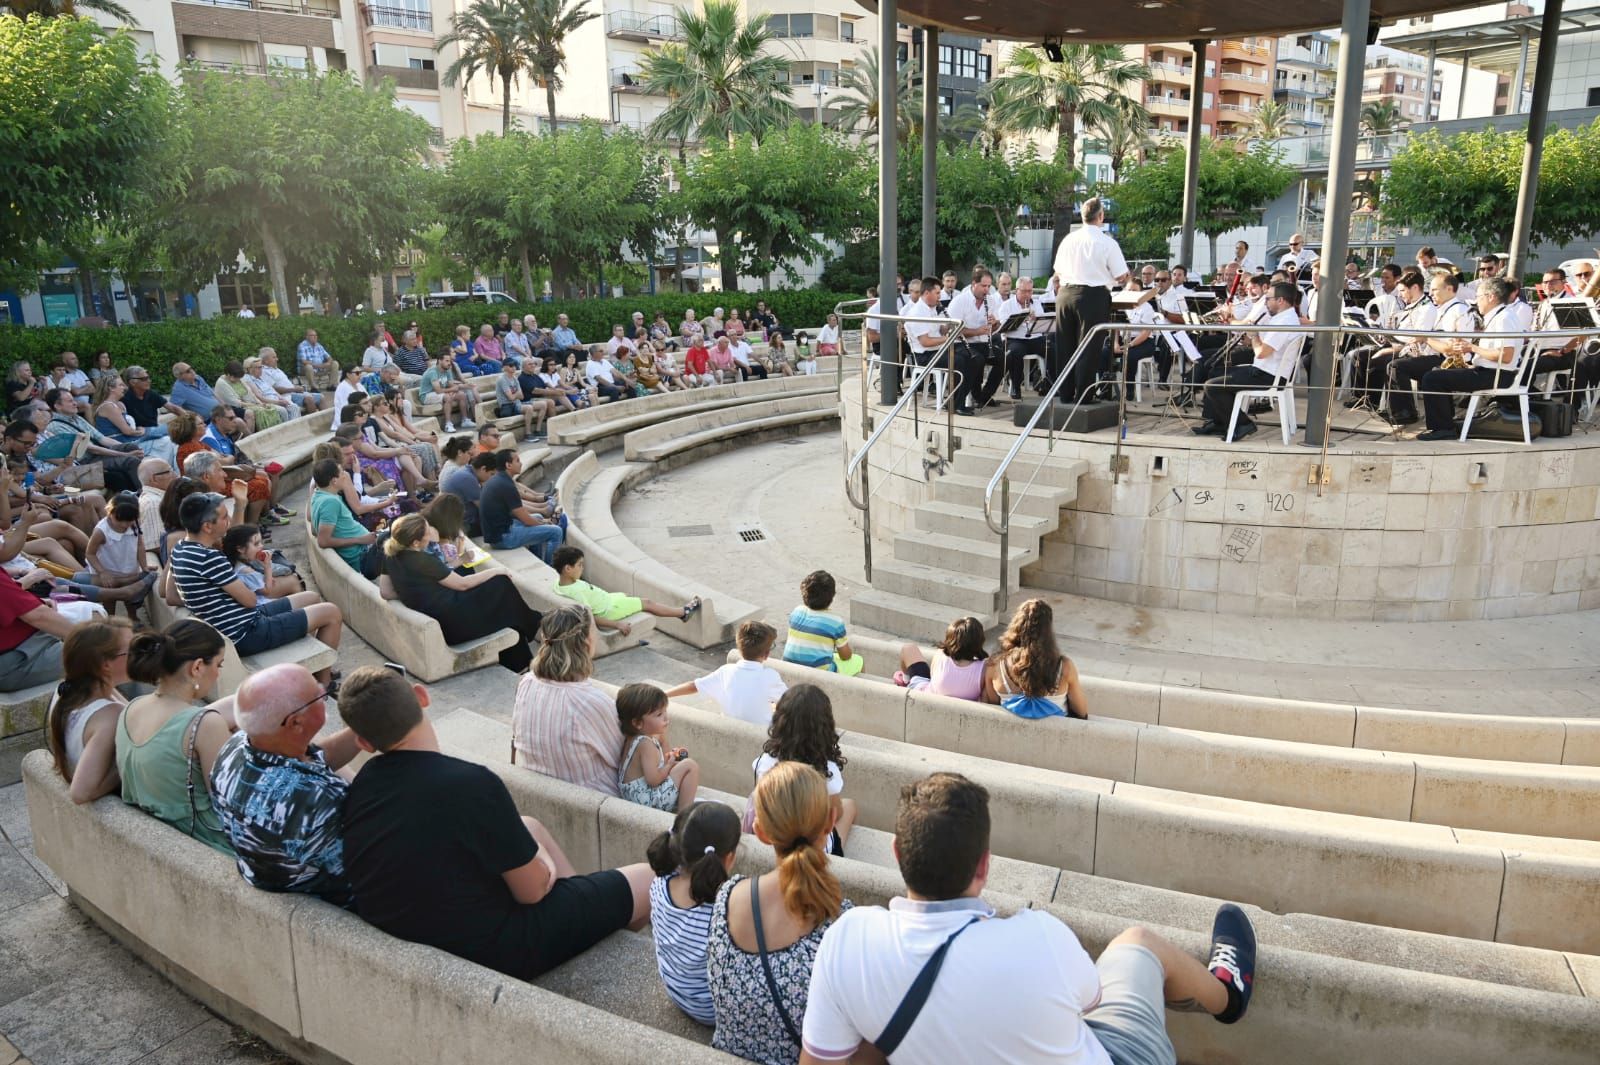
1371 368
1274 349
1490 363
1452 317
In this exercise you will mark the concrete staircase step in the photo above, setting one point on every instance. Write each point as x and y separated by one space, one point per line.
936 584
956 519
961 555
1043 501
914 619
1054 470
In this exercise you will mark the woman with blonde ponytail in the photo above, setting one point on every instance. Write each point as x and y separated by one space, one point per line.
765 931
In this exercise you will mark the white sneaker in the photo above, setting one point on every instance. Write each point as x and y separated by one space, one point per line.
449 427
468 423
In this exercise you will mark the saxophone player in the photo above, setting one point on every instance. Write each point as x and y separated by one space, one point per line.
1489 363
1417 311
1452 317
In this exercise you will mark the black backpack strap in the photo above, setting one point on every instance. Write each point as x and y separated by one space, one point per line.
905 1014
766 966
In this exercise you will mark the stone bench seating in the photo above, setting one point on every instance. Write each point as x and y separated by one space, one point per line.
601 426
290 444
1496 737
1322 967
1533 891
536 582
725 427
613 562
307 651
1496 796
22 715
399 633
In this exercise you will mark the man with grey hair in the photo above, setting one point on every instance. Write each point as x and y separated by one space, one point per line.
278 792
1088 265
155 477
144 404
286 386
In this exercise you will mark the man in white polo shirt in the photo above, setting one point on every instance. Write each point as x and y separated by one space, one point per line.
924 337
1275 349
1018 989
977 308
1088 264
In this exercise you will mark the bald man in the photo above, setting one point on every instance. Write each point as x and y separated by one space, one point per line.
279 794
155 477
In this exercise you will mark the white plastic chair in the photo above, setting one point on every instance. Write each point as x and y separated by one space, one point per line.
1146 367
1280 394
1521 378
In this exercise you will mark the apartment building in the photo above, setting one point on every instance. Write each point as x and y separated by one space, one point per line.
1238 79
1303 81
1400 78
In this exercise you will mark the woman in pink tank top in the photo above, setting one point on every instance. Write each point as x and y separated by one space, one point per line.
957 666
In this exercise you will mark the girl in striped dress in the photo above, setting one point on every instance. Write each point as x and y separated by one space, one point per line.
691 864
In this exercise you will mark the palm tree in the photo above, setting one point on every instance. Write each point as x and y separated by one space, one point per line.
718 80
1034 93
1126 132
493 38
548 22
1271 121
56 8
1381 118
856 102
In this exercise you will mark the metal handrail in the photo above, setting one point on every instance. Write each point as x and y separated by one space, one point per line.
1002 481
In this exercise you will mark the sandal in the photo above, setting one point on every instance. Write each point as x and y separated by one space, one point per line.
690 608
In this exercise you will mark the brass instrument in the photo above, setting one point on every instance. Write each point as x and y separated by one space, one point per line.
1455 361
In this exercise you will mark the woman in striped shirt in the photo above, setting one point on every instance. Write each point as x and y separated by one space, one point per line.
691 864
563 724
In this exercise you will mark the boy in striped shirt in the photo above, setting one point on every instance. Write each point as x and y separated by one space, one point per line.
817 636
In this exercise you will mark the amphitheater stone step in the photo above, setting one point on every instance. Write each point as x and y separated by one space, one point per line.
946 583
902 615
960 554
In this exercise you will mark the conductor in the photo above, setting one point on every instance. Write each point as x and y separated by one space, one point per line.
1088 263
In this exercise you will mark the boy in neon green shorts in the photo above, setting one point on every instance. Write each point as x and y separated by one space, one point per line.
609 608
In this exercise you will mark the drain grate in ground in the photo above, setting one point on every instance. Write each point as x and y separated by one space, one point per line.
689 530
752 536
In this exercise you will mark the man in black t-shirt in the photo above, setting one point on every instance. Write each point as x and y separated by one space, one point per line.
143 403
437 853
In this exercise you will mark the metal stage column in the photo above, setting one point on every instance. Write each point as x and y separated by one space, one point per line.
1191 159
888 196
930 148
1533 151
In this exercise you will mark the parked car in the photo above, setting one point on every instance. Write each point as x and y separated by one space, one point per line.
433 300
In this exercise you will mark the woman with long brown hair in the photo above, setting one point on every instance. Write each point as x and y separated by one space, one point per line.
1029 670
81 729
765 931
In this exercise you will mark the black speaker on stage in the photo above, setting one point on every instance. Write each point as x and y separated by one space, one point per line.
1083 420
1497 425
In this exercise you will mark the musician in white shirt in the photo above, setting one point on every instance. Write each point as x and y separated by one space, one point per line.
1300 254
1018 346
924 337
1372 363
1491 363
1135 347
1488 266
1275 348
1449 317
977 307
1241 259
1555 356
1088 265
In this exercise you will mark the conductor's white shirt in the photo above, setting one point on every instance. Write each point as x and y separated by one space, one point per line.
1090 256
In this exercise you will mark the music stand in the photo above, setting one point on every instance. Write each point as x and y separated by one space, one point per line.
1357 297
1015 322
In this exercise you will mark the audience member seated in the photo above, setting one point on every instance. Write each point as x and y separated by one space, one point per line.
69 433
172 499
349 388
72 377
380 454
437 853
376 354
802 730
957 666
765 931
231 392
31 631
487 355
156 476
21 385
81 728
511 521
373 501
207 467
609 608
465 482
644 371
67 518
252 563
1024 988
114 557
697 371
466 607
1490 364
260 391
666 367
748 688
215 594
334 525
190 391
315 366
563 338
691 864
719 360
828 335
278 793
621 341
284 386
745 362
411 357
442 385
623 373
514 343
1275 349
817 636
391 422
167 742
508 403
1029 670
562 723
713 323
690 331
448 514
653 773
546 384
111 418
575 379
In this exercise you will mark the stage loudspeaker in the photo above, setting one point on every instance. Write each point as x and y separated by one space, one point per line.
1084 420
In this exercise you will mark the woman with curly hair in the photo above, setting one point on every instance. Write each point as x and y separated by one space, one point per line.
802 730
1029 670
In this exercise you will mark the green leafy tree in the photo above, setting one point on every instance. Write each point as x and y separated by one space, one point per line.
1034 94
494 39
511 199
1381 118
856 102
720 81
1270 121
327 187
781 198
85 132
1125 130
1234 187
548 24
58 8
1466 186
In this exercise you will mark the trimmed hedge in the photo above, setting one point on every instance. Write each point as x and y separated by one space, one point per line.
207 344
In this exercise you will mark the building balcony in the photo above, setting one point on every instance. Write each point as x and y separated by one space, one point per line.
1171 72
633 26
397 18
405 77
1173 106
314 9
1242 107
627 80
216 66
1242 76
1241 50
